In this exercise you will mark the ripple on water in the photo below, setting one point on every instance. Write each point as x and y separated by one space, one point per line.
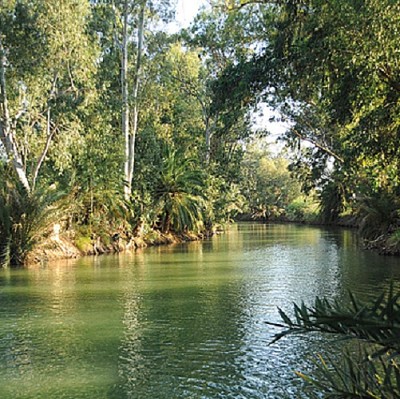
178 322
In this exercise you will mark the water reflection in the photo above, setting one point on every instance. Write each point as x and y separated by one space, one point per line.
30 332
184 321
201 317
178 324
48 347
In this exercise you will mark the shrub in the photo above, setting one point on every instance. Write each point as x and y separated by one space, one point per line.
25 219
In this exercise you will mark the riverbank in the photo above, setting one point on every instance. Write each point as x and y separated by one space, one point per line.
66 246
310 220
387 244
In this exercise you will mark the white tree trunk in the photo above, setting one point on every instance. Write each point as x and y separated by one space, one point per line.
125 101
42 156
136 85
7 131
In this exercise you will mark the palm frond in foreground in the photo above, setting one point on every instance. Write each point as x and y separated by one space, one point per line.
373 371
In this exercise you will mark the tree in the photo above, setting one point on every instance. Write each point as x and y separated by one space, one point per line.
266 182
220 41
133 16
179 193
189 77
130 136
26 218
331 71
41 92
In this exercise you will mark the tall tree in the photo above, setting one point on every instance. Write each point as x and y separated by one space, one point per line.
331 70
135 15
7 127
221 42
42 92
130 134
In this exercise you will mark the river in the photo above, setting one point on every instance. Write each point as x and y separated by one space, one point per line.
179 321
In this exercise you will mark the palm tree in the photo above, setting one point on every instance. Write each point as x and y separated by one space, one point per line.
378 214
179 193
25 219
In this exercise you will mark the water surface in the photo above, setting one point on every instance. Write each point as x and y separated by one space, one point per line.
181 321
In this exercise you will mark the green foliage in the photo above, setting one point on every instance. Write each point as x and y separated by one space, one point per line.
101 209
394 241
303 208
374 371
355 378
25 219
332 202
225 199
266 183
379 214
48 88
330 68
84 244
332 72
221 40
179 194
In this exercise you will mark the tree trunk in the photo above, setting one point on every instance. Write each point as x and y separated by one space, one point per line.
42 157
7 131
208 143
125 101
130 135
208 133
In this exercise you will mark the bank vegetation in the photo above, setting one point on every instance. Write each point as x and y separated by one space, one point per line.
116 131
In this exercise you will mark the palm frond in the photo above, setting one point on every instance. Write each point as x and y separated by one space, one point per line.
377 213
371 373
354 376
377 323
25 219
179 193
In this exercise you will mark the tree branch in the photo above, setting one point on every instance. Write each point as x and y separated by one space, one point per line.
316 144
387 75
42 157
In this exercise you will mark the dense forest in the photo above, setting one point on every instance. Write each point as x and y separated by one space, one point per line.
119 132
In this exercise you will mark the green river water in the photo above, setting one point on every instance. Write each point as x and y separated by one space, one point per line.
180 321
